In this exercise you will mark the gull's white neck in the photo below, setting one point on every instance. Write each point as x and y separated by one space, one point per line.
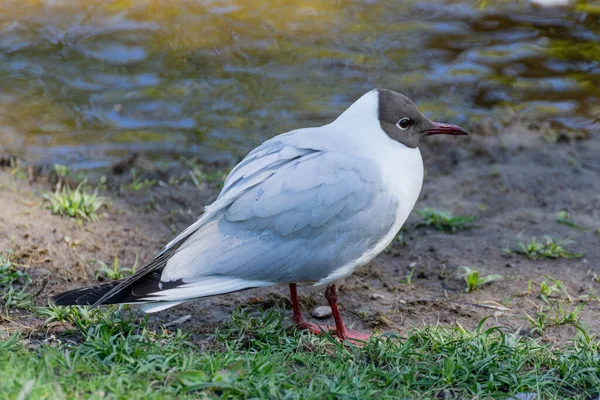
401 166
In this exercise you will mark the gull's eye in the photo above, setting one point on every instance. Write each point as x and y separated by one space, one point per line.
403 123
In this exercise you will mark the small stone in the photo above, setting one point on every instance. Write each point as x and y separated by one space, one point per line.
377 296
321 312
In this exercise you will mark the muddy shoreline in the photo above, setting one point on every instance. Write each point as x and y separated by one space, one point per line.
515 179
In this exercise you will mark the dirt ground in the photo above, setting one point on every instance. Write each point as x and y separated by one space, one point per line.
515 179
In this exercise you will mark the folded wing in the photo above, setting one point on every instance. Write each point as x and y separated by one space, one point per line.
286 214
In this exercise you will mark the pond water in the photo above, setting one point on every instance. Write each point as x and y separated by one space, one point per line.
84 82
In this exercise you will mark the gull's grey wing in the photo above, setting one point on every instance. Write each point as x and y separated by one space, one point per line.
260 164
255 168
294 218
287 213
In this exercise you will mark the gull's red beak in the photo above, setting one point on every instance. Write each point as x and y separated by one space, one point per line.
446 129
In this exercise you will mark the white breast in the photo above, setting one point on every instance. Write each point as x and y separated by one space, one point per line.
402 175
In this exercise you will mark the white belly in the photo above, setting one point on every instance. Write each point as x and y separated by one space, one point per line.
402 173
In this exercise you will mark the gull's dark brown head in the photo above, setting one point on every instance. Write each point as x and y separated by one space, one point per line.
402 121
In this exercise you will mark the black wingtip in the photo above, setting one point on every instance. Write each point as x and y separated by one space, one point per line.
84 296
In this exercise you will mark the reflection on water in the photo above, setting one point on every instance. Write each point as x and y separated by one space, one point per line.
83 82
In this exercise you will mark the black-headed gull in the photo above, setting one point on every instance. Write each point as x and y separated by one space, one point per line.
309 206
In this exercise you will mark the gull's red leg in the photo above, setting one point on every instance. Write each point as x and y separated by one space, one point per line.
341 331
299 320
331 296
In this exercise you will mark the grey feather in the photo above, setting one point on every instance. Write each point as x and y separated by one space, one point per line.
284 216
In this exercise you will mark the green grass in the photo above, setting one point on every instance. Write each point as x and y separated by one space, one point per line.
61 171
408 280
74 203
564 217
117 356
139 183
114 272
13 284
558 313
547 249
559 307
445 221
474 281
552 287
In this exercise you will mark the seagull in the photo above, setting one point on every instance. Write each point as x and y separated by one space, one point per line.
307 207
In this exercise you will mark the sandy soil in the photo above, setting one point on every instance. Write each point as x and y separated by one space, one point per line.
515 180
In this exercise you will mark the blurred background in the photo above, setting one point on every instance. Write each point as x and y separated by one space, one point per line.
83 83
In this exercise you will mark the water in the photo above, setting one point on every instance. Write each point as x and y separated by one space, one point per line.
85 82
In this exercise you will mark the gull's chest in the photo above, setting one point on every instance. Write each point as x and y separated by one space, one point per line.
402 177
401 173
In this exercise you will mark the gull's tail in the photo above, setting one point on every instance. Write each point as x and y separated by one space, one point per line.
153 295
125 291
132 290
84 296
90 296
146 288
93 295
